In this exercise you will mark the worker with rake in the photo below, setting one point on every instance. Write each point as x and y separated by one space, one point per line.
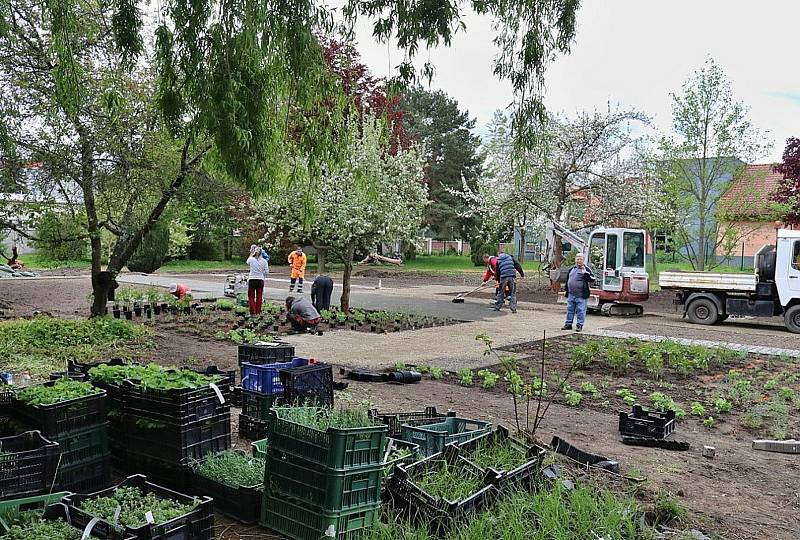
491 272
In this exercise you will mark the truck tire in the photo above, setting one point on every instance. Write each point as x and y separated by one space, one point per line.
792 319
702 311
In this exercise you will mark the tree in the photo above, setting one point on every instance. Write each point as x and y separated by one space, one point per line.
713 138
586 172
373 197
434 120
787 198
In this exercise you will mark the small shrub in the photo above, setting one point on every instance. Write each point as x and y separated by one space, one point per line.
698 409
59 237
618 358
465 377
722 405
583 355
709 422
663 402
573 398
437 373
489 378
627 396
741 391
650 354
589 388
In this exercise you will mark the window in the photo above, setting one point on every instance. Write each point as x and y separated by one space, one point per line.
796 255
633 249
611 252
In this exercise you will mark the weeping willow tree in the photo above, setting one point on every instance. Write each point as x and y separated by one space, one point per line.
107 91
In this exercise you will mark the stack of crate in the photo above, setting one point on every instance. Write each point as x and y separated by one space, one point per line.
260 383
166 429
80 427
322 484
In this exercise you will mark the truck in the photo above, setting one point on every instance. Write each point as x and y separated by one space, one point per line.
772 290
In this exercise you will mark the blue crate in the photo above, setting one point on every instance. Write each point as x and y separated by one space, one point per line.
264 378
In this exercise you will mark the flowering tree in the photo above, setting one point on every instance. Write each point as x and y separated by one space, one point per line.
787 198
371 198
587 172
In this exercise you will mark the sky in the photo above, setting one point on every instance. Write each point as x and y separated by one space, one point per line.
634 53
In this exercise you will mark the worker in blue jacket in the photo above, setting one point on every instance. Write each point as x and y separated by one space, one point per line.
579 277
507 268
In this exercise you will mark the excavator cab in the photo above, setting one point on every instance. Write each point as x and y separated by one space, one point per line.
617 258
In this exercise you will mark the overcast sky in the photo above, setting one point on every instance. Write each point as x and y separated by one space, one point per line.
633 53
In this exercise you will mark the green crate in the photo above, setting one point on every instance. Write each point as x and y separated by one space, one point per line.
395 449
84 446
432 438
329 490
257 405
9 508
299 522
334 448
260 448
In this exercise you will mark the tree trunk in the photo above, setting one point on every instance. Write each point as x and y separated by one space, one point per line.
522 245
348 271
322 259
702 245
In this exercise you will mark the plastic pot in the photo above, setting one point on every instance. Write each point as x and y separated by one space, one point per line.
129 315
405 377
116 313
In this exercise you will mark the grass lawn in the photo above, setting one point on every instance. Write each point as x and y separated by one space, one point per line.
185 265
35 261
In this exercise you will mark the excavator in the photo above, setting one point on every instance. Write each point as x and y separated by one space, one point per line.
617 258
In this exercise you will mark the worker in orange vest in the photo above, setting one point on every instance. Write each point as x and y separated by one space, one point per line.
297 262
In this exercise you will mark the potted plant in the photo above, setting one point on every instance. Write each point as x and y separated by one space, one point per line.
116 311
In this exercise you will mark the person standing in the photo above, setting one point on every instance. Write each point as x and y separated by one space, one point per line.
321 291
259 268
297 262
507 269
491 272
577 291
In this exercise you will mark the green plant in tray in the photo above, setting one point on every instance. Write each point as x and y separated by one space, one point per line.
449 482
134 505
232 468
60 390
322 419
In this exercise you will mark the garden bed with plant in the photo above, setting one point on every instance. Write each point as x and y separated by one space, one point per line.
703 386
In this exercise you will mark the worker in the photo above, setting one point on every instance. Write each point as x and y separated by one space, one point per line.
491 272
297 262
507 268
179 290
577 290
255 281
321 291
301 314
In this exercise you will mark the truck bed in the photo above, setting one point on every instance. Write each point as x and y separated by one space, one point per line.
707 281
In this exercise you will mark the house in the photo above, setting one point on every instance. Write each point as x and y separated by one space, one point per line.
745 214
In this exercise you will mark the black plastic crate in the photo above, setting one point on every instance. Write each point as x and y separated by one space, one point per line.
175 406
395 421
59 511
242 503
177 444
198 524
84 367
27 464
236 397
65 416
252 429
160 472
411 500
644 423
82 446
310 385
85 477
524 474
269 353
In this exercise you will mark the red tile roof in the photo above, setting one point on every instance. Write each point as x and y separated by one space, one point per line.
750 192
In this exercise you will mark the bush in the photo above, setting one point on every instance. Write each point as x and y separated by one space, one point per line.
205 249
58 237
151 253
478 247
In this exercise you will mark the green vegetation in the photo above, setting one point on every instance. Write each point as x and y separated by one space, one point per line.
449 481
58 391
151 376
663 402
437 373
709 422
225 304
722 405
573 398
667 509
135 505
322 419
233 468
42 345
465 377
489 378
589 388
40 529
627 396
698 409
553 513
501 455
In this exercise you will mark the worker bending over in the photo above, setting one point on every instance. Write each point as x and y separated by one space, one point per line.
321 291
301 314
297 262
491 272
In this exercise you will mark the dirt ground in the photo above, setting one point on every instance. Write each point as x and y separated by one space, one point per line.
740 494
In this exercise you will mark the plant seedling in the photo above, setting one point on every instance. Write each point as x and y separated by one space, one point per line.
465 377
489 378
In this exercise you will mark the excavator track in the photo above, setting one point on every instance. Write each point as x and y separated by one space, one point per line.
612 309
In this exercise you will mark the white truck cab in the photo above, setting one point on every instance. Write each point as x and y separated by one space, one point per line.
772 290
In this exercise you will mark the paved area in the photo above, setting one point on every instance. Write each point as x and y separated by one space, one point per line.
777 351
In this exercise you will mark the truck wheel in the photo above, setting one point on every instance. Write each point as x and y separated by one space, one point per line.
702 311
792 319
